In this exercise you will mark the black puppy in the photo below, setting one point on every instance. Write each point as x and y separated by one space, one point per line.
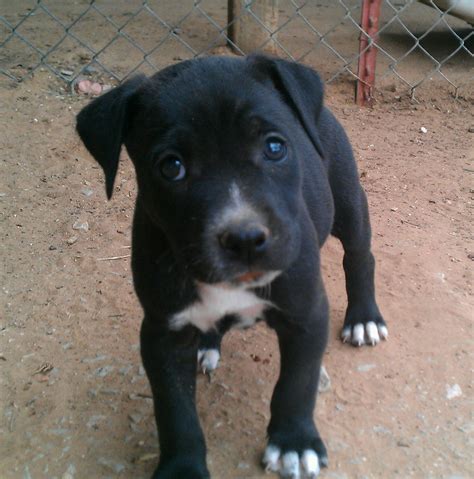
242 175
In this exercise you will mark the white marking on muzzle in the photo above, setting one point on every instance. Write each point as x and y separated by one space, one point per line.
236 210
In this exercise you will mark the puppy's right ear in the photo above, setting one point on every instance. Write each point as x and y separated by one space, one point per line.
102 125
299 86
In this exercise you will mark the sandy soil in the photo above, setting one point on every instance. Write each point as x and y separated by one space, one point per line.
75 402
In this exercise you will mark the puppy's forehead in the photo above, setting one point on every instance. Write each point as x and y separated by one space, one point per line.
216 97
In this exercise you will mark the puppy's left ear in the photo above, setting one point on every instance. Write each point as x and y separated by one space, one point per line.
102 126
300 87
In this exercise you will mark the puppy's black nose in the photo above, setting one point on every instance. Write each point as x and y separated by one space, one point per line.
246 242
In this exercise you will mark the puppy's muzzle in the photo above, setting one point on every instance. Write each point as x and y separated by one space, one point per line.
245 241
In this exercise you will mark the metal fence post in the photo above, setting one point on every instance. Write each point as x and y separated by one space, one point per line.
368 52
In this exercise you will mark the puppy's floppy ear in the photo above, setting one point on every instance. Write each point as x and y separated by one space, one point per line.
300 87
102 125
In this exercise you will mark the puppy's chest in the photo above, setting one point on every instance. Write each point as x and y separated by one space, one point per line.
216 302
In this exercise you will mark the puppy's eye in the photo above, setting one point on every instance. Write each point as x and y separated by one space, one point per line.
275 148
172 168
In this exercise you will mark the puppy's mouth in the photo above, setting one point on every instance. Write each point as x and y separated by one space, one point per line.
254 279
249 277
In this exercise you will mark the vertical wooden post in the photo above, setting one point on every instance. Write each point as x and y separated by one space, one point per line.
245 32
369 23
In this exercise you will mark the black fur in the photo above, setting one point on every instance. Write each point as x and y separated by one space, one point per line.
214 113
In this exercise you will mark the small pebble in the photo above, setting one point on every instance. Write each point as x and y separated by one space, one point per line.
453 391
335 475
403 443
92 393
125 370
135 397
337 445
95 359
324 381
59 431
135 428
93 422
26 473
135 417
103 371
112 465
109 392
423 130
90 69
471 129
381 430
71 240
363 368
87 192
467 428
149 456
81 225
70 471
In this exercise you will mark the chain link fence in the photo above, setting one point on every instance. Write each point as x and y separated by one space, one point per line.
418 44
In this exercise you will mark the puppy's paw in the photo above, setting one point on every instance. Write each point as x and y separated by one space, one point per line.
369 333
291 464
364 326
208 359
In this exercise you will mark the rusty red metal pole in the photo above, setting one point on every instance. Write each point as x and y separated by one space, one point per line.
369 23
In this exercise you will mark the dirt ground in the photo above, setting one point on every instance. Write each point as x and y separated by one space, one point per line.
74 401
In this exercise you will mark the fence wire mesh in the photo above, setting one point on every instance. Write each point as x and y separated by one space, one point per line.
418 43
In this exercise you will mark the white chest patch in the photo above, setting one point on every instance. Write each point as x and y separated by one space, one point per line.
217 301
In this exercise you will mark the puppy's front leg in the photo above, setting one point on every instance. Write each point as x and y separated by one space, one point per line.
363 323
171 369
295 448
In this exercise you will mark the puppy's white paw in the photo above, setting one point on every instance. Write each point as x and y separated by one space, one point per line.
208 359
360 334
291 465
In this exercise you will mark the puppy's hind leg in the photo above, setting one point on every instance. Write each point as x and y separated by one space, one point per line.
209 352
